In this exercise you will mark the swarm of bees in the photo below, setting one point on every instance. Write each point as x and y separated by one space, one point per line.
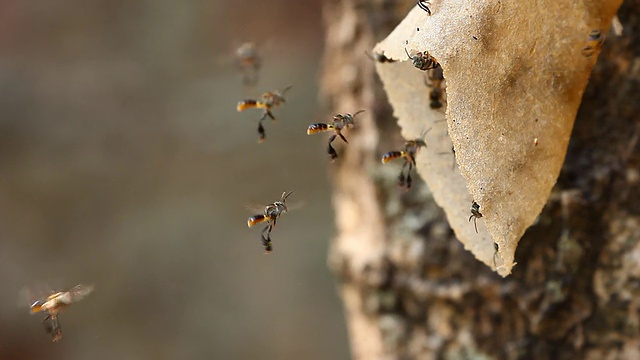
55 303
270 215
340 122
411 147
268 101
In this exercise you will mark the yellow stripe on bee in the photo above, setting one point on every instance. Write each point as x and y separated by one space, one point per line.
249 104
256 219
319 127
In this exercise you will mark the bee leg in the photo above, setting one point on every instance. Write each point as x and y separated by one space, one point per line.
330 150
426 81
401 179
266 238
475 223
343 138
268 113
261 132
247 79
52 327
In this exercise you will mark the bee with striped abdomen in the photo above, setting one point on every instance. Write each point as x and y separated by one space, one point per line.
411 147
340 122
422 60
268 101
270 215
55 303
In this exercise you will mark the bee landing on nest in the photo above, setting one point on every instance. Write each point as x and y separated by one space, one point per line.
475 214
409 152
422 60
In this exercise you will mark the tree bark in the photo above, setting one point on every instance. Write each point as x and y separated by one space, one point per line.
411 291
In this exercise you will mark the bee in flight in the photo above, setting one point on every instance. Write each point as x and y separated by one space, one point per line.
340 122
268 101
55 303
424 5
270 215
380 57
475 214
423 60
437 89
595 40
411 147
249 62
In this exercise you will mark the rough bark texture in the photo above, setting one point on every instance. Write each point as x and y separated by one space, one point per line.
411 291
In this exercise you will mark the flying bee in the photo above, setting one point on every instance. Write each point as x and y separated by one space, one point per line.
249 62
595 40
424 5
380 57
436 77
270 215
423 60
475 214
340 122
55 303
268 101
411 147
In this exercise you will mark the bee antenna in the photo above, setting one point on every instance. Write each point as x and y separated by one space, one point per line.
285 195
369 55
405 50
286 89
358 112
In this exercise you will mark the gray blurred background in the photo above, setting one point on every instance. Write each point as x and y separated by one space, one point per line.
124 164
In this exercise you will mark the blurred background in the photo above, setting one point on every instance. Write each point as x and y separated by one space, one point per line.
124 164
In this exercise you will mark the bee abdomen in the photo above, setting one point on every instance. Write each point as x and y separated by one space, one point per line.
319 127
248 104
36 307
392 155
256 219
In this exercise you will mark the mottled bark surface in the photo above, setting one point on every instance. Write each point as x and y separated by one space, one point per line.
411 291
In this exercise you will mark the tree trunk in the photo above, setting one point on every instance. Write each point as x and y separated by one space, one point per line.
411 291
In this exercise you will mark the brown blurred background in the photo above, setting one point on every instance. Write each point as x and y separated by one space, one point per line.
124 164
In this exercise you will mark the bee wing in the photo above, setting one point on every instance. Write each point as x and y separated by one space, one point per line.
296 205
255 208
79 292
28 295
